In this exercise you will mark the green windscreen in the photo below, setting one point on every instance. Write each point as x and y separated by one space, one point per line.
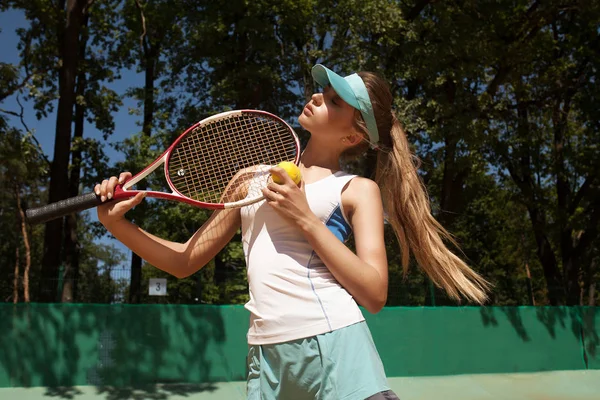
124 345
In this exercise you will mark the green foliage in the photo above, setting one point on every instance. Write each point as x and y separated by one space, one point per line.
499 99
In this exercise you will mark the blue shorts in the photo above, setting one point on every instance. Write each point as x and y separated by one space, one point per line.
339 365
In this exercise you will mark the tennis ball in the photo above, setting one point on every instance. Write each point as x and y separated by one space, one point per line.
292 170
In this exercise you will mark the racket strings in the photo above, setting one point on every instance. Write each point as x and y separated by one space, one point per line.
217 162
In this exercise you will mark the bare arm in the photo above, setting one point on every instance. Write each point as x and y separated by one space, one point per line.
178 259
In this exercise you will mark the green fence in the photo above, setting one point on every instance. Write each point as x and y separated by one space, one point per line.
123 345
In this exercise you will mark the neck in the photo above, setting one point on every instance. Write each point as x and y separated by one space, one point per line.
320 155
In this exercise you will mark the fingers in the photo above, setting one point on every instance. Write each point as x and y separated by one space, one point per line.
270 194
278 191
106 189
124 177
283 176
103 187
115 210
277 188
134 201
112 184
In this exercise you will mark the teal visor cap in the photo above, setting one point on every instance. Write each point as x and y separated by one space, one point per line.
353 91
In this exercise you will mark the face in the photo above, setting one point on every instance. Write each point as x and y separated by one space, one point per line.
328 116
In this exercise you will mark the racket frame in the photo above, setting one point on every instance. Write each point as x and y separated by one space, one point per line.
123 191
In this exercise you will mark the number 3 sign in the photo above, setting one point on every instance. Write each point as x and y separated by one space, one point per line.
157 287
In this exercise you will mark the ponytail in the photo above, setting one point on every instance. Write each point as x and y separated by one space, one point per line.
409 213
406 203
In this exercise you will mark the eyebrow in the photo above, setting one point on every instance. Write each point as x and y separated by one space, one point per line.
336 96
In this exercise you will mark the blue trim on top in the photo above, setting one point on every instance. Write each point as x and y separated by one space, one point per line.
338 226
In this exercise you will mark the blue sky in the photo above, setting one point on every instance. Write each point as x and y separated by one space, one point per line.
125 124
44 129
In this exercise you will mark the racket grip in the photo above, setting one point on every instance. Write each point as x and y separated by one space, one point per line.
61 208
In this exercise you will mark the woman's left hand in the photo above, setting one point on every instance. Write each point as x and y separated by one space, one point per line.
288 199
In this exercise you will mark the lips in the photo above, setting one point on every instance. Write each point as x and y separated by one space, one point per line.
308 110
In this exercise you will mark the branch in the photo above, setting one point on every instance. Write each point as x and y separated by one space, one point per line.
21 117
143 35
280 38
9 112
10 91
22 114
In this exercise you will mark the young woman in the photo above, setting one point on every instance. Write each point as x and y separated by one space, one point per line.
307 336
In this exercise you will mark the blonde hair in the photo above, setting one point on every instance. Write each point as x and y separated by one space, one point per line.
407 206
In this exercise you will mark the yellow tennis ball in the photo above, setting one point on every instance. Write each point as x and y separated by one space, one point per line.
292 170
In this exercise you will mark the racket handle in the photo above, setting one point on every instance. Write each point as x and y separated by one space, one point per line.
61 208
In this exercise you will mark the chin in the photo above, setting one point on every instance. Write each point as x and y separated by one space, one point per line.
302 120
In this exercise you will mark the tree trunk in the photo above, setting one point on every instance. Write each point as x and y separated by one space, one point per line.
135 283
71 242
26 244
525 181
16 276
453 180
549 263
454 174
17 245
589 284
59 180
149 59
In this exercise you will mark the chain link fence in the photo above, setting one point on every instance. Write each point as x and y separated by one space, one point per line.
207 286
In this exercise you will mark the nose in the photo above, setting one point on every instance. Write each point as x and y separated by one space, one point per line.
317 98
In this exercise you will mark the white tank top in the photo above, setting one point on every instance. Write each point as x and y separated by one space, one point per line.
292 293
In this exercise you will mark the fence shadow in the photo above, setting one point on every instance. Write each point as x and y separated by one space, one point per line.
125 351
580 322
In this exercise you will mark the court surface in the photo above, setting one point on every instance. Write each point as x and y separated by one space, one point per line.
556 385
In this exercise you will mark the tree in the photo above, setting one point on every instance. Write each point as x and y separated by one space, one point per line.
94 103
543 140
52 44
22 168
60 71
148 29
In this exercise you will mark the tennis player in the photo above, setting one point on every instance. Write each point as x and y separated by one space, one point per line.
307 336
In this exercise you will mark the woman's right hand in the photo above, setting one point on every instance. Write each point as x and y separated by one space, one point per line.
115 210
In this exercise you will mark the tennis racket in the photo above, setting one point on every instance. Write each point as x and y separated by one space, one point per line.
220 162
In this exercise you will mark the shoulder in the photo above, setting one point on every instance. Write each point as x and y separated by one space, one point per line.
362 185
361 192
